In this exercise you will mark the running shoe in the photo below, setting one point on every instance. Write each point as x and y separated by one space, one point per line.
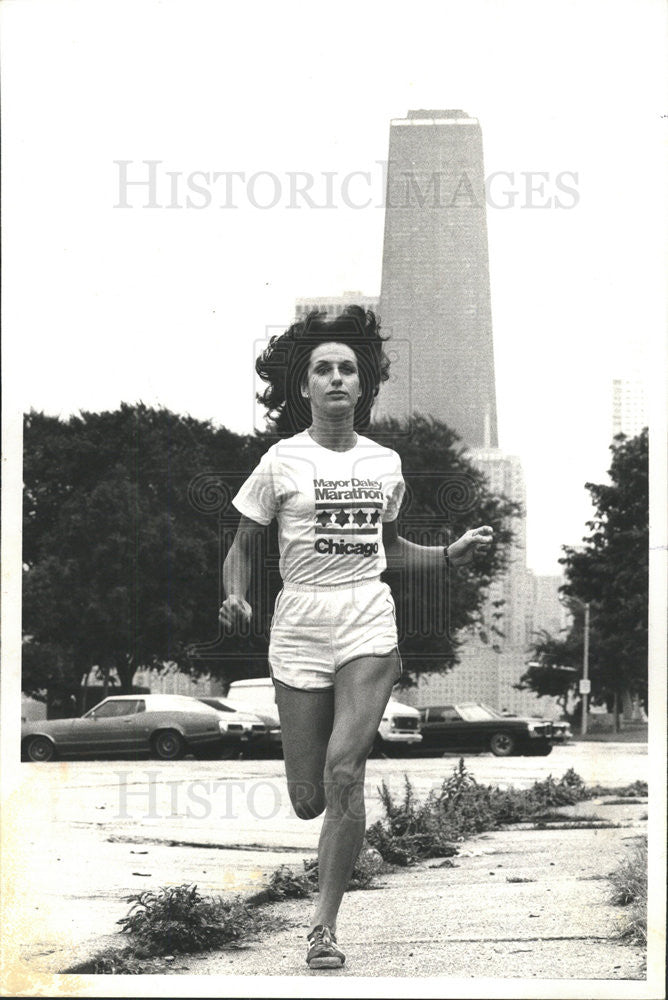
323 952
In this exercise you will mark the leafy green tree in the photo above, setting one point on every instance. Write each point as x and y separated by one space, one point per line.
128 516
446 494
558 667
120 565
610 572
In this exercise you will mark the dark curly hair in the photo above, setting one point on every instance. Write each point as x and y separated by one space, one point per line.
285 361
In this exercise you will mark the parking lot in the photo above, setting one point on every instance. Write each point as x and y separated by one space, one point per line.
237 801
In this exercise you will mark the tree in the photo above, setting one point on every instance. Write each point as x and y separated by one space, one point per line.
446 494
120 566
552 675
128 516
610 572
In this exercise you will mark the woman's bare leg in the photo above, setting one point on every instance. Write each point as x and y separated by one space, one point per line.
361 691
306 725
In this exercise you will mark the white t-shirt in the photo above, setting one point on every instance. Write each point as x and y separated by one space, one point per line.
330 507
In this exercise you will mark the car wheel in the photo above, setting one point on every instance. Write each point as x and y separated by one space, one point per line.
39 750
168 744
502 744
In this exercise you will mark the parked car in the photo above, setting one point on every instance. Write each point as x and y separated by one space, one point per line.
400 725
561 731
475 727
163 725
247 729
399 728
257 695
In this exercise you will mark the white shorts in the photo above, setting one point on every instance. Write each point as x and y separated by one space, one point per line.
316 632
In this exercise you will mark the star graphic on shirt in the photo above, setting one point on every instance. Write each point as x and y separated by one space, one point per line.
342 518
360 517
323 517
375 517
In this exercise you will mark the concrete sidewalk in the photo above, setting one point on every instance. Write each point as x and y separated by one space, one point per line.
472 920
518 903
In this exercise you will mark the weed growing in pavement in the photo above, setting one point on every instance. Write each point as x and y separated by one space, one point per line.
116 963
286 884
553 816
629 888
411 830
368 865
178 919
172 920
637 790
628 801
603 824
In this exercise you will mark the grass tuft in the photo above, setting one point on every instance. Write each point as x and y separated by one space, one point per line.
629 888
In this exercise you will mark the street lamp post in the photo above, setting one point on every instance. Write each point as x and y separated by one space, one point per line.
585 685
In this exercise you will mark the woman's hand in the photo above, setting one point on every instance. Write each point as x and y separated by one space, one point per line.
462 551
234 611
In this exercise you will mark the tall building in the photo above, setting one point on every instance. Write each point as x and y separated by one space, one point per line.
505 477
482 675
629 405
334 304
547 613
435 295
435 305
489 670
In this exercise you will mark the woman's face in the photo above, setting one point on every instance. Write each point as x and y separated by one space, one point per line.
332 380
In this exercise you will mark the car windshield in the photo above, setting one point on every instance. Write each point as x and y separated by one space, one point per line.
113 709
476 713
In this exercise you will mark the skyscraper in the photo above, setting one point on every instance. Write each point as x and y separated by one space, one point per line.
505 477
547 611
629 405
334 304
435 296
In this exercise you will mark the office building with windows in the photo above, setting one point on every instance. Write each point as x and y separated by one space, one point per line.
629 405
334 304
435 293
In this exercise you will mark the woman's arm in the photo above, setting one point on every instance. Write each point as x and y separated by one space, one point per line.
402 554
237 574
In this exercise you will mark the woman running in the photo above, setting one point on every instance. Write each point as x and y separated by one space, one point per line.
333 651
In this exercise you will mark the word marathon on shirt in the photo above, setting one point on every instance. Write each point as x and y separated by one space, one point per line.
335 514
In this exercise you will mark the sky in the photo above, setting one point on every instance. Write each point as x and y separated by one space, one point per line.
108 298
